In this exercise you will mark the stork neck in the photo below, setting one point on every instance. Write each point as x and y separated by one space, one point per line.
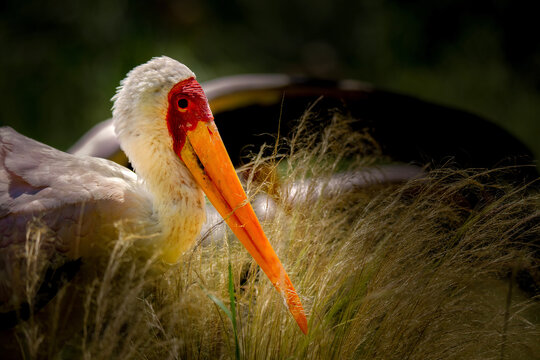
177 199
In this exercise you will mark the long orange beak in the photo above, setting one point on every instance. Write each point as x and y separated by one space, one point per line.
205 156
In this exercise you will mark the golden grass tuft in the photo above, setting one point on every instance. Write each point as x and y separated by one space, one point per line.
441 267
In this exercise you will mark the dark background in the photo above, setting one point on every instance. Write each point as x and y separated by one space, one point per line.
61 61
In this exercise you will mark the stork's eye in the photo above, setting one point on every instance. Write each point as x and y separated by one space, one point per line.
182 104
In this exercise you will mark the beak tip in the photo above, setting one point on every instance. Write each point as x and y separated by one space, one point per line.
297 311
302 322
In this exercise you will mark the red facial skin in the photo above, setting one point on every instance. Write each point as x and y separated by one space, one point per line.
180 120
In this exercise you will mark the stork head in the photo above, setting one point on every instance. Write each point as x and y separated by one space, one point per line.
142 101
161 103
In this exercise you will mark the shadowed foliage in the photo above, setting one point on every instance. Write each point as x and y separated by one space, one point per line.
444 266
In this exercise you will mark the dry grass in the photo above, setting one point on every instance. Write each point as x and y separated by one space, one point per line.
442 267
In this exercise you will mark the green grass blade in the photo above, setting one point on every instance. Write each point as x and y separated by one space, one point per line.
232 315
218 302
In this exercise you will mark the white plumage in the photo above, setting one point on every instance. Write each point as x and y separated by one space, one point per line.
84 201
39 181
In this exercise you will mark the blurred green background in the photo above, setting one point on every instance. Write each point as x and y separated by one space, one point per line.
61 61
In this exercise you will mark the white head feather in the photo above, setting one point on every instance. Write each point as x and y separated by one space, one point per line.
141 98
140 111
140 122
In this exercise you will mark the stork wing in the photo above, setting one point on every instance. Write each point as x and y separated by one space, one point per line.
58 205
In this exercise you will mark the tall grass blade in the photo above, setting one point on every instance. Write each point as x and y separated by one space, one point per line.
232 316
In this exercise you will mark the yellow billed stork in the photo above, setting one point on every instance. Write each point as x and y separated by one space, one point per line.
165 126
